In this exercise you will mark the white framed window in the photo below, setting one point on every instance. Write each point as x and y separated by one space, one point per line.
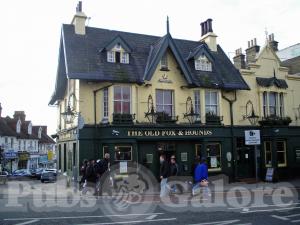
105 102
197 102
211 102
164 61
40 133
165 101
203 64
30 128
11 142
265 104
281 105
111 56
125 58
272 103
122 99
18 128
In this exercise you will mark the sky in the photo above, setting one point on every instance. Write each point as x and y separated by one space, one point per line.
30 34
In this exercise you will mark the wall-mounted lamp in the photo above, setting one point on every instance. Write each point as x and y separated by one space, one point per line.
250 114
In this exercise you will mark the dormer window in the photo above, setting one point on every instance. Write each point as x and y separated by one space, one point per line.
164 62
118 55
40 132
203 64
29 128
18 128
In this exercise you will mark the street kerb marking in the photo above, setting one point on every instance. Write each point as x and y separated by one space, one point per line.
130 222
28 222
280 217
224 222
151 217
293 215
270 210
265 206
81 217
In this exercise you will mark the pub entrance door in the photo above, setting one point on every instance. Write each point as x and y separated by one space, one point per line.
245 160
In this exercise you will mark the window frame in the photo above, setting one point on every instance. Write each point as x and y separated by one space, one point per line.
163 101
124 58
123 146
197 102
164 61
212 105
202 63
105 103
281 104
122 99
273 106
267 165
214 169
111 57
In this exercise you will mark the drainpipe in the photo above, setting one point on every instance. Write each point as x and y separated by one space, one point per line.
95 113
233 150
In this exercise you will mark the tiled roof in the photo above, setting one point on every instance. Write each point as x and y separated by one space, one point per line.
273 81
84 57
5 129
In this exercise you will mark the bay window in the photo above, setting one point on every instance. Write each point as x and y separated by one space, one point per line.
122 99
165 101
273 104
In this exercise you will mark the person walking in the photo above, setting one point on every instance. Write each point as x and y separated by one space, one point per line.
90 176
82 173
164 174
201 179
174 170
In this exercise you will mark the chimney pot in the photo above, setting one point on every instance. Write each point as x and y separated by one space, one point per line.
209 22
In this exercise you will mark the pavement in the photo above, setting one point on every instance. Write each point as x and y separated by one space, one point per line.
31 202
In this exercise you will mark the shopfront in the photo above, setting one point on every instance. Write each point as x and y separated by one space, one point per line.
223 146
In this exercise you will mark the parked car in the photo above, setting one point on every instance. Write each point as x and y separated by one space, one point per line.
38 173
21 173
48 175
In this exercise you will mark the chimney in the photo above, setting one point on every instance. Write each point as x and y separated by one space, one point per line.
208 36
79 20
0 110
20 114
239 59
251 51
272 43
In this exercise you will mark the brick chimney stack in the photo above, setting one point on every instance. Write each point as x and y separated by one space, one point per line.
239 59
208 36
79 20
273 44
251 51
19 114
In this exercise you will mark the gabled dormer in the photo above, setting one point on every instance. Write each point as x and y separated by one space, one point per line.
29 128
203 60
18 126
118 51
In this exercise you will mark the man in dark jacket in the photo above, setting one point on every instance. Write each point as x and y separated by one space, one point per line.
164 174
174 170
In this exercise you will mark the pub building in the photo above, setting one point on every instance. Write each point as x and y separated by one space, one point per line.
137 96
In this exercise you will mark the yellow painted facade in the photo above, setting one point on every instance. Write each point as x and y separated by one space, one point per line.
267 62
